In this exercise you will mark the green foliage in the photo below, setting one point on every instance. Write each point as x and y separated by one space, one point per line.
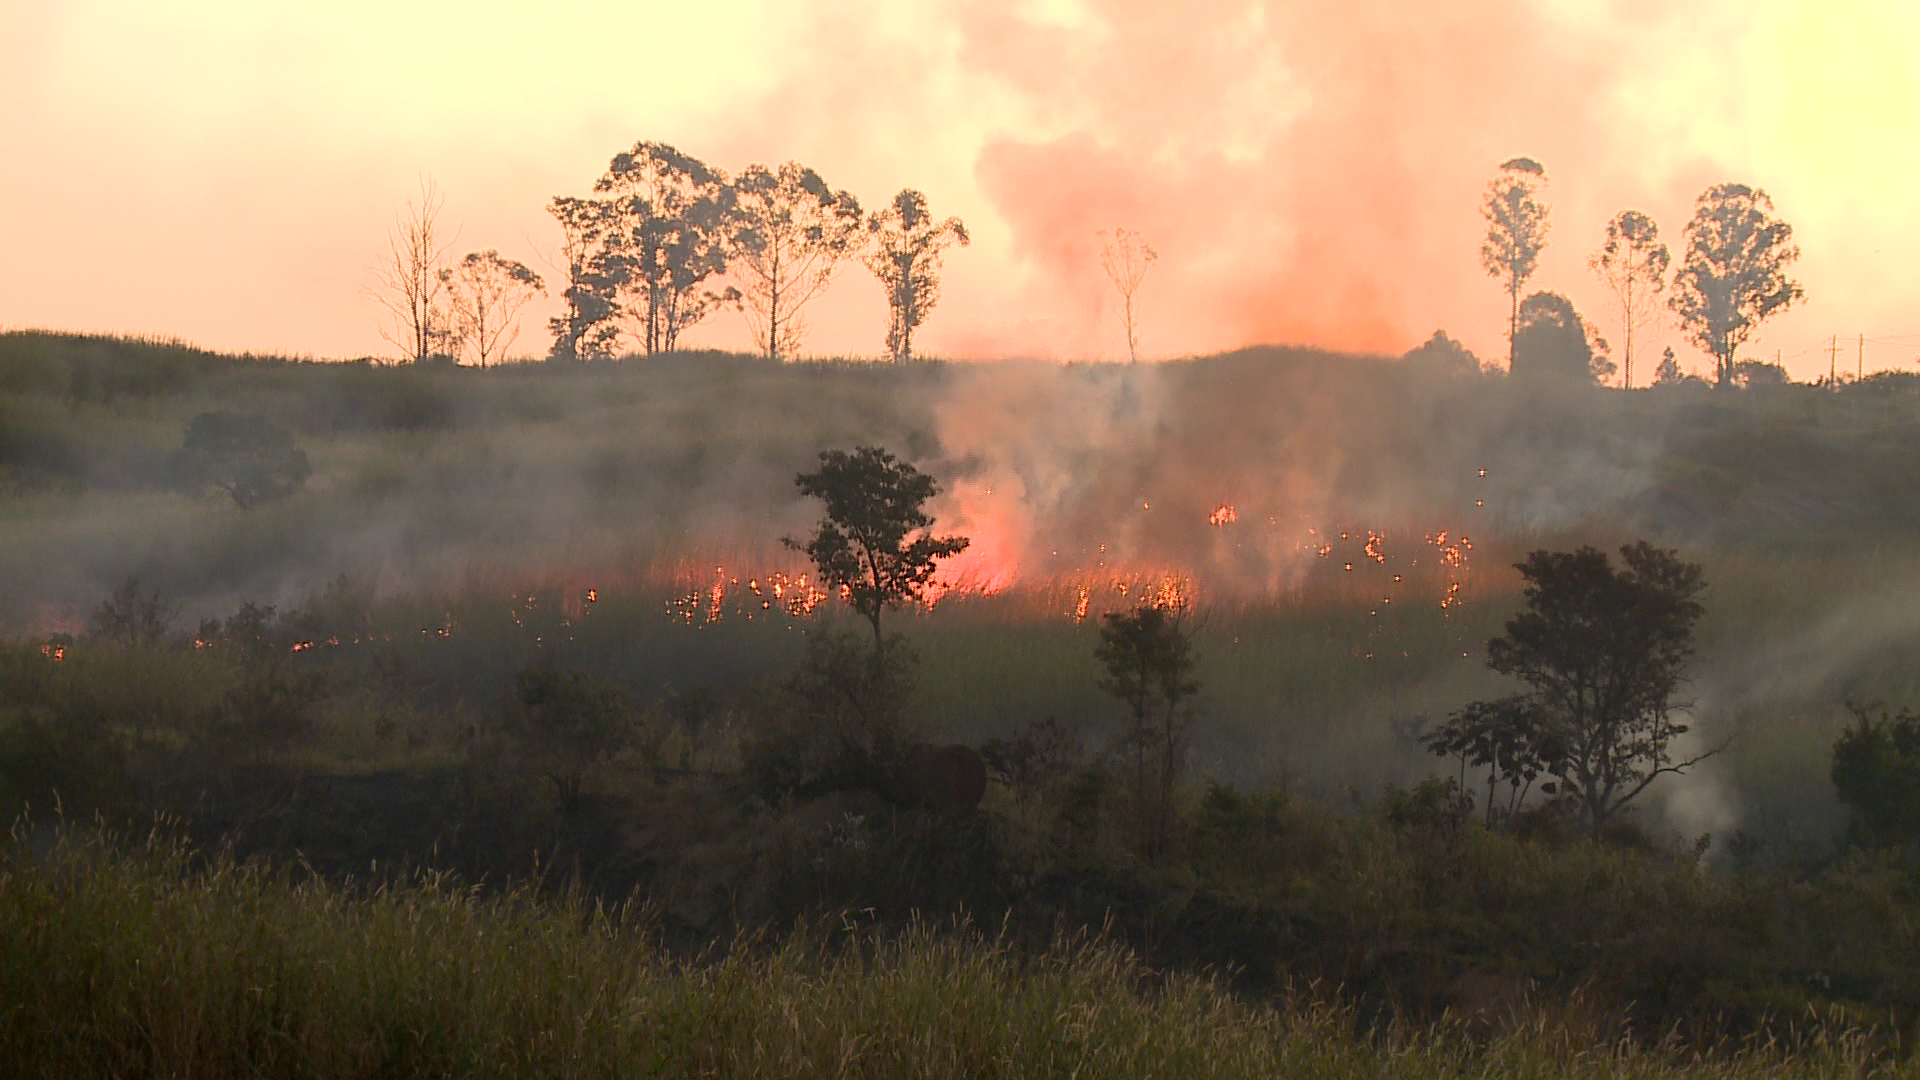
132 618
842 718
874 501
250 458
1876 772
1554 342
905 246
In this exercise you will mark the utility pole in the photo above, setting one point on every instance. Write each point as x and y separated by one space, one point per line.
1860 360
1833 360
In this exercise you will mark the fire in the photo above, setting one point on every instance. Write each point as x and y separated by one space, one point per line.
1224 514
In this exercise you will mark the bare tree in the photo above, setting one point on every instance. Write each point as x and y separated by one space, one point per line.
485 293
672 222
1734 273
1516 231
906 244
1633 262
1126 257
586 329
410 286
795 229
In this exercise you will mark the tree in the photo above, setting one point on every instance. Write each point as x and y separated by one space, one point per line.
794 230
1126 257
1516 231
586 329
1876 772
1508 738
672 223
1734 273
1668 372
1147 657
410 286
485 293
131 617
1604 652
904 248
1444 355
1633 262
1553 341
564 723
249 457
868 543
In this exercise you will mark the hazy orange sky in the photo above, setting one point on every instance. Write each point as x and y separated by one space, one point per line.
1310 170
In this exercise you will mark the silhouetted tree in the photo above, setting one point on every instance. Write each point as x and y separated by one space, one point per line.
794 230
1553 341
1126 258
1443 354
1734 273
1516 231
1507 737
1633 262
904 248
672 223
485 293
132 617
587 329
410 286
1669 373
1604 652
876 540
1147 658
249 457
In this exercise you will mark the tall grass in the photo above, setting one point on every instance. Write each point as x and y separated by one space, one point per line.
149 963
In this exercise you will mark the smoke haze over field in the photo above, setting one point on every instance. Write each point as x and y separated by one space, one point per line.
1310 172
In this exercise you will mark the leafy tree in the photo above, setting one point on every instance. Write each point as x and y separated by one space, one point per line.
587 329
485 292
1147 657
905 245
846 721
1734 273
673 222
1507 737
1516 231
1604 652
1553 341
1876 772
794 230
1126 258
565 723
876 540
249 457
1669 373
410 285
1633 262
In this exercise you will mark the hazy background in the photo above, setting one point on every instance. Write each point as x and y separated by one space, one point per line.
1310 170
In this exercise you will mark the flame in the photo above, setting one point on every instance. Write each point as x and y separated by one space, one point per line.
1224 514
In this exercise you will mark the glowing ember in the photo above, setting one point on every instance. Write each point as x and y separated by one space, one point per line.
1224 514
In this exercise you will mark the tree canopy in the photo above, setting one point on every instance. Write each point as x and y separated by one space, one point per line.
1733 274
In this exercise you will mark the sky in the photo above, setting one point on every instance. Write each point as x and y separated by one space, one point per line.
1310 171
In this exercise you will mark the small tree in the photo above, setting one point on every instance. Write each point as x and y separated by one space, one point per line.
1516 231
876 541
904 248
131 617
1876 772
486 293
1604 652
1126 258
1508 738
1734 273
1633 263
1147 657
249 457
564 724
673 222
1555 342
1668 372
410 286
794 230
